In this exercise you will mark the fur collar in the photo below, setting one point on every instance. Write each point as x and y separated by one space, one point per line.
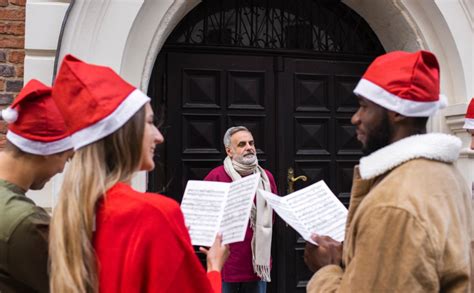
435 146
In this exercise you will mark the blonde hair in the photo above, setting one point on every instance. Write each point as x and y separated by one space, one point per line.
93 170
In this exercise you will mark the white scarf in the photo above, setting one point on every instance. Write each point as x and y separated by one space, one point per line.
261 217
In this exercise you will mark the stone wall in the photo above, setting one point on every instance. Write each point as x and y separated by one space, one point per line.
12 53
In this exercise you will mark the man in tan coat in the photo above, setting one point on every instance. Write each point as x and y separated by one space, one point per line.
410 221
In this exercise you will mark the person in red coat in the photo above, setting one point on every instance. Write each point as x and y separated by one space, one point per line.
106 236
469 126
249 263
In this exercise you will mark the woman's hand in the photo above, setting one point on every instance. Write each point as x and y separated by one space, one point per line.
216 255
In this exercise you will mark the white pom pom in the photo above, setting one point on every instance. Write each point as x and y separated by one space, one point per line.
9 115
443 101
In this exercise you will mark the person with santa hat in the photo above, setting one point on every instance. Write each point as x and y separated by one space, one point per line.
410 218
37 147
105 235
469 126
469 122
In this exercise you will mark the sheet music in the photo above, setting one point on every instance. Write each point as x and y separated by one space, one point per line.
202 206
210 207
319 210
280 206
237 209
314 209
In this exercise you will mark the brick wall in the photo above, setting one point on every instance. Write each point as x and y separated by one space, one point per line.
12 53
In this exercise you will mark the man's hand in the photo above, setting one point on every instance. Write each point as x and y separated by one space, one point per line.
328 251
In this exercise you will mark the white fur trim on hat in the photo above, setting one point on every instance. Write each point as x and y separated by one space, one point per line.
38 147
380 96
111 123
468 123
435 146
9 115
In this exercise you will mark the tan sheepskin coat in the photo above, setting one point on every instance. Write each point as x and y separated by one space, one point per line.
410 225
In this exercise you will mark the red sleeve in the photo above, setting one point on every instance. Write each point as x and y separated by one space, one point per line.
216 281
152 254
191 275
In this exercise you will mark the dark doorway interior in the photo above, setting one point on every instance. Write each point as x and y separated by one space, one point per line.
284 69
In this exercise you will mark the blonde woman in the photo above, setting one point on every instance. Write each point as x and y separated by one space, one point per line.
106 236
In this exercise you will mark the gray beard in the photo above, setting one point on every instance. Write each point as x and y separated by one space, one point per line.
246 160
245 165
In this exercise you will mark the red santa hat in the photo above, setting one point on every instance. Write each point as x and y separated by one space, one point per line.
403 82
469 119
35 124
94 100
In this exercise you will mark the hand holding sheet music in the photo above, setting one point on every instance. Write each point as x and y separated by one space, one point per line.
314 209
211 207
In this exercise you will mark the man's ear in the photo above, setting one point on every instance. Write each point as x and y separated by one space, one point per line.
396 118
228 151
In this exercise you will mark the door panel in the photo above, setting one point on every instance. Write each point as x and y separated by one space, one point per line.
315 104
206 95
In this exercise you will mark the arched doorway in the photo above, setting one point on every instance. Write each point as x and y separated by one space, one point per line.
285 70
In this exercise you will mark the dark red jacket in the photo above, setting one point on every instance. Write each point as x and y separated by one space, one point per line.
238 267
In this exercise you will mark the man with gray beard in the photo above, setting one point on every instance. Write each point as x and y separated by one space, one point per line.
248 267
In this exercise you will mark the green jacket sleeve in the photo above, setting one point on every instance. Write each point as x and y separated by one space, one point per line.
27 255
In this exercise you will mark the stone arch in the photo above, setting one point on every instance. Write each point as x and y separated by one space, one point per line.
400 25
147 36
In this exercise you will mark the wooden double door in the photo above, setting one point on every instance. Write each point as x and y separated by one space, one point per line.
297 108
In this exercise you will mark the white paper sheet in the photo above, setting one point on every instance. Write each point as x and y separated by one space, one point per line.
237 209
202 207
314 209
211 207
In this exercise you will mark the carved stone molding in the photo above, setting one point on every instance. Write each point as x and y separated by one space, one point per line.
454 115
468 7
